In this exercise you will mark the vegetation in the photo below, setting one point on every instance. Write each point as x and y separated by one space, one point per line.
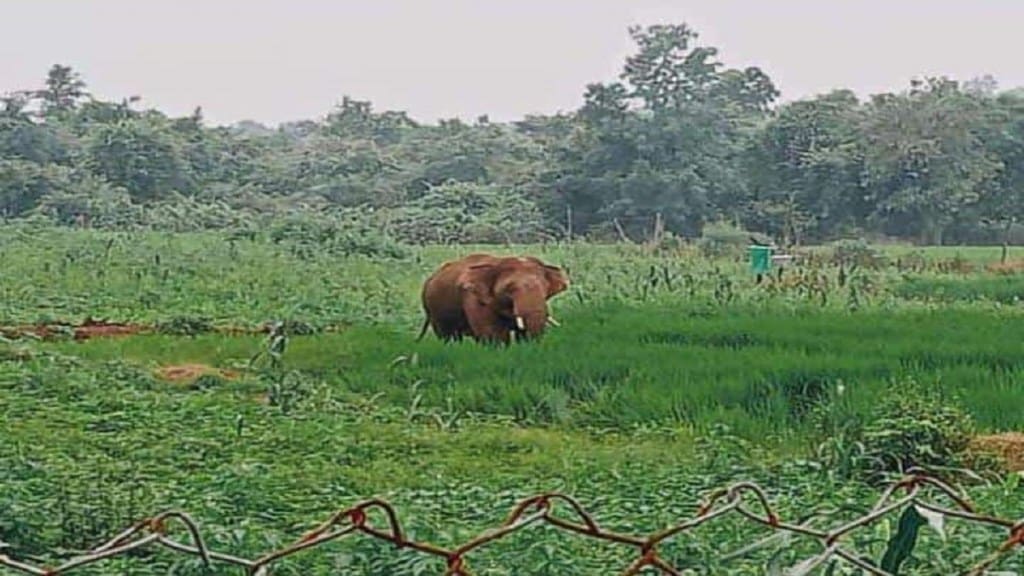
274 274
672 373
677 142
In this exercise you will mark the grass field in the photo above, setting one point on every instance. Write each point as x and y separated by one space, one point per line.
671 374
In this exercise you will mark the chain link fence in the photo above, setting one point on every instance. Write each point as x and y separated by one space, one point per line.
743 500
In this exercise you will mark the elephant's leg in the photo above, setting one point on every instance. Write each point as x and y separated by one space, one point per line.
449 325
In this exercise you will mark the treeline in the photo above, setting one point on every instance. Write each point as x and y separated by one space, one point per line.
679 141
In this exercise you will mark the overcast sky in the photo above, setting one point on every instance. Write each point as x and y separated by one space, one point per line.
279 60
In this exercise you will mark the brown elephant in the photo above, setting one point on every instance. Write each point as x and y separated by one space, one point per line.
490 298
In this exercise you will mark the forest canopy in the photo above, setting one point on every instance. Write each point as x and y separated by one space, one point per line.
677 142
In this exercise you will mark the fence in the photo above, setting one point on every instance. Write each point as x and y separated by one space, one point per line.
540 508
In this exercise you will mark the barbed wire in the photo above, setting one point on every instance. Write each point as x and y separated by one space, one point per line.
542 507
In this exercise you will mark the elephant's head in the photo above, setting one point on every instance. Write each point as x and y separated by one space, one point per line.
516 291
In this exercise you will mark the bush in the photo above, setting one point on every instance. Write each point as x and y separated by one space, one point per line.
910 426
724 239
307 234
857 253
914 426
466 212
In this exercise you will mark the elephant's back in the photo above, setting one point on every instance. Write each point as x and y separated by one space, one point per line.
441 288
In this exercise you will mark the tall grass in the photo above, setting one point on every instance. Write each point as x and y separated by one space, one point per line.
1002 289
621 365
622 406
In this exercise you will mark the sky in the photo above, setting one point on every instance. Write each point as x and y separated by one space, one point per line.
280 60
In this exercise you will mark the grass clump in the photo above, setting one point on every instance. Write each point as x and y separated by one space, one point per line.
910 425
915 426
995 288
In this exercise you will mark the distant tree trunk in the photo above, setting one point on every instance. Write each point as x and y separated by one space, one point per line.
622 233
931 231
1006 240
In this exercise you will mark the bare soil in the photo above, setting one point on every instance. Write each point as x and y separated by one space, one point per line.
185 373
1007 446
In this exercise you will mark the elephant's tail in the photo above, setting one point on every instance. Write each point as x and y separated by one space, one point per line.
423 330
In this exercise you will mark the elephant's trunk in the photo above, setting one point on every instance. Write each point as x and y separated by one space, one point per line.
531 316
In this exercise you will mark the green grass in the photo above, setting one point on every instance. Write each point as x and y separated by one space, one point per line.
671 375
622 366
975 254
90 445
1002 289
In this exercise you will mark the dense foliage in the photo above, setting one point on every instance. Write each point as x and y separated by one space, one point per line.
678 141
672 373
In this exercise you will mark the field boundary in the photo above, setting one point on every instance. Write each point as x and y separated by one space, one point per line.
90 329
540 508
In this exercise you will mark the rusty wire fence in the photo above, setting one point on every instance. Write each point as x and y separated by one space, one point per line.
744 500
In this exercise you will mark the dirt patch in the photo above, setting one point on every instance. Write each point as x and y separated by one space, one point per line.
16 332
185 373
1008 447
1009 267
88 329
92 329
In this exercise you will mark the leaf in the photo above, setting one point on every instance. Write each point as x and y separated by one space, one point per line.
902 543
1013 481
806 566
774 567
935 520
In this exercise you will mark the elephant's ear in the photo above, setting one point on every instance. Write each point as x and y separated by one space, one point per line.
477 280
558 280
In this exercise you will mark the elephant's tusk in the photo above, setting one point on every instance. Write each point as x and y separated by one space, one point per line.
519 323
552 321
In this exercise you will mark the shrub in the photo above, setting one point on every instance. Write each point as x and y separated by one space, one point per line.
857 253
307 234
909 426
467 212
914 426
724 239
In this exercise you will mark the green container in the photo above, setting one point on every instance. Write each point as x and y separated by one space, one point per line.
760 259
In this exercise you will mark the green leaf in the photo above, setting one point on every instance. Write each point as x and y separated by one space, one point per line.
1013 480
935 520
901 545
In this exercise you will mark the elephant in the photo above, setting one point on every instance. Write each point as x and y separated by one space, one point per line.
490 298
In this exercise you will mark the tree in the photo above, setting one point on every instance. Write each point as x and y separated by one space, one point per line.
667 141
1002 206
468 212
356 119
669 70
24 139
64 89
804 169
142 156
925 163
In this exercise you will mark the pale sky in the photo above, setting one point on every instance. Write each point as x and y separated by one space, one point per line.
280 60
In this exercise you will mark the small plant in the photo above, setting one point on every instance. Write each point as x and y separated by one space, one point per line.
724 239
185 326
287 390
955 265
277 341
914 426
857 253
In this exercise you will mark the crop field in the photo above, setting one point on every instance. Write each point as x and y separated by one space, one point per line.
671 373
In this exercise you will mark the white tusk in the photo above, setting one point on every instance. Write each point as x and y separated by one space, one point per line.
519 323
552 321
